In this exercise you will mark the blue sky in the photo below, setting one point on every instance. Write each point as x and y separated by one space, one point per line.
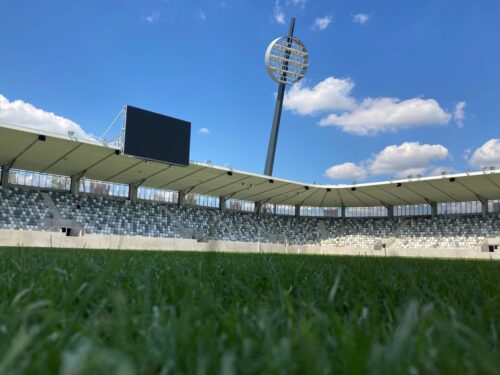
400 87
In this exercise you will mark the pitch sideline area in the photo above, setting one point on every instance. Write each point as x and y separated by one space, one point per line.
21 238
80 311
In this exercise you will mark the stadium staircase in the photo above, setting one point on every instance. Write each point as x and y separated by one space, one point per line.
384 243
267 236
223 224
323 232
56 222
398 233
182 231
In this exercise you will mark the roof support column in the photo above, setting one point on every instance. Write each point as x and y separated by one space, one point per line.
222 203
484 206
5 175
434 209
342 212
132 192
74 187
390 211
182 198
297 210
258 208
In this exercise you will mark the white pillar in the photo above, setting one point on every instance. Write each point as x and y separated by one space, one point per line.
390 212
484 207
182 198
434 209
222 203
258 208
74 187
132 192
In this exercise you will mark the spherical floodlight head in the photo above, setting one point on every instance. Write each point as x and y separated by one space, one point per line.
287 60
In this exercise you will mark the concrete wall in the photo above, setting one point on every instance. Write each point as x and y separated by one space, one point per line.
94 241
20 238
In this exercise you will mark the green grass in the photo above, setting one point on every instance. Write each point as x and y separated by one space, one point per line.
105 312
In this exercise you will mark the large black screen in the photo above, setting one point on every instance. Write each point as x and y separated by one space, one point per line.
157 137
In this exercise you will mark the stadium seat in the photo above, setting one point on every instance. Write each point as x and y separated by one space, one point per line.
24 208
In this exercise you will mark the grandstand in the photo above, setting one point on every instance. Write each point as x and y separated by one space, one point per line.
67 187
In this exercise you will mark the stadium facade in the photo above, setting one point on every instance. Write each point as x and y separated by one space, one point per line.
54 186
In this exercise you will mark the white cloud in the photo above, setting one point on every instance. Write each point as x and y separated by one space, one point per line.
361 18
321 23
201 15
401 161
24 114
488 155
204 131
409 158
282 7
367 117
332 94
279 15
377 115
346 171
467 153
154 16
459 114
300 3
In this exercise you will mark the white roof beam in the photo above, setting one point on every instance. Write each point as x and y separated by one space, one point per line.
62 157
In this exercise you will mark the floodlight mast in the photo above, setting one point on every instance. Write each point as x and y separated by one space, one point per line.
287 61
273 139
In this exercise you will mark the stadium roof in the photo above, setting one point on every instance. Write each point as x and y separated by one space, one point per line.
26 149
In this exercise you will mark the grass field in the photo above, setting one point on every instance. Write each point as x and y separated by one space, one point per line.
79 312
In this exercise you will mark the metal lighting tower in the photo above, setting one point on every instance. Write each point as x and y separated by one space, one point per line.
287 61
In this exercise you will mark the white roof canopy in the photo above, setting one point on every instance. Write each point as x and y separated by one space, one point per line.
24 149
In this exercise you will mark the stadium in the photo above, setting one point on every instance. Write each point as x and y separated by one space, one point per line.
58 191
120 254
